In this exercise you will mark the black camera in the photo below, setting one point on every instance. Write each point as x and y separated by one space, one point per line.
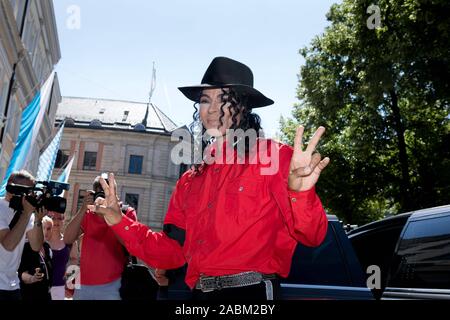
43 194
100 192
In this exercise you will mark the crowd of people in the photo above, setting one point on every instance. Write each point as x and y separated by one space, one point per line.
40 259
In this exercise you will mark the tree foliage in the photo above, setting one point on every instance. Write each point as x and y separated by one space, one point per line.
383 95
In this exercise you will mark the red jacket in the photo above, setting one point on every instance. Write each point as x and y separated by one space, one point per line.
102 258
230 219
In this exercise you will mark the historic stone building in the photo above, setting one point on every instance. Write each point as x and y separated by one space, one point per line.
29 50
131 139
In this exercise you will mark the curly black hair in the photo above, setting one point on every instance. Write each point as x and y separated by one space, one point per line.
238 105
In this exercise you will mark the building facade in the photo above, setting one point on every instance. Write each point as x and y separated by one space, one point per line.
132 140
29 51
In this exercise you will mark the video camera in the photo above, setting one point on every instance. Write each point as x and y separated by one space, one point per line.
43 194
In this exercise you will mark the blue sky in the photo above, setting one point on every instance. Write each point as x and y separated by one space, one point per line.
111 54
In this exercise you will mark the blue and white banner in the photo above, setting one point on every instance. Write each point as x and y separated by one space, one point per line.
48 158
64 177
30 124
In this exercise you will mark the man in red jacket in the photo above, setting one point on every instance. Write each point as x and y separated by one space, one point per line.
234 222
102 258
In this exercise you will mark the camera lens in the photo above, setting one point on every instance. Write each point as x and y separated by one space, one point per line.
99 194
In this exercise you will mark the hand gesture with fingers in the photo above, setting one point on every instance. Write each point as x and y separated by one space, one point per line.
306 166
109 208
41 213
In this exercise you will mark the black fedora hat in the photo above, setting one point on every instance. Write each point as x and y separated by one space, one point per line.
228 73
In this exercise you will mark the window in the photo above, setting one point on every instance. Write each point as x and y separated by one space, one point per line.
125 116
31 32
423 256
18 9
377 246
135 164
14 118
51 104
90 161
15 7
38 61
4 84
132 199
61 159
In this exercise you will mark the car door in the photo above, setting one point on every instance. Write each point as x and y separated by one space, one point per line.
421 265
330 271
375 245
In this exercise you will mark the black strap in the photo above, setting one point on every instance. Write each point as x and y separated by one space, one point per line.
15 219
175 233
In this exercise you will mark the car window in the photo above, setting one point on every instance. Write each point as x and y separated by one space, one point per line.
423 257
323 265
376 248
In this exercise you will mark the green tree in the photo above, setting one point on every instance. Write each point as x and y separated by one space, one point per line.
383 95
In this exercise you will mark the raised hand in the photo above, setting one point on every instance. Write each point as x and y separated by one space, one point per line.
110 207
40 214
306 166
27 207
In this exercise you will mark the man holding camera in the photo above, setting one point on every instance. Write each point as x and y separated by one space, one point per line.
102 254
14 225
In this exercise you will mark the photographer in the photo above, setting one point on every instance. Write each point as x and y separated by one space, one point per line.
36 269
14 225
102 255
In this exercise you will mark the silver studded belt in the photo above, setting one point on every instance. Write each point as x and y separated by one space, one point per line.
209 283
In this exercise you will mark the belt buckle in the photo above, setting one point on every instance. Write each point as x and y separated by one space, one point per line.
219 283
204 284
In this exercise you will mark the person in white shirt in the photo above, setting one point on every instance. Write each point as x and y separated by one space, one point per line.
12 237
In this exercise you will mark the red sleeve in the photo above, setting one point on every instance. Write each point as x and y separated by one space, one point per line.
156 249
84 222
302 212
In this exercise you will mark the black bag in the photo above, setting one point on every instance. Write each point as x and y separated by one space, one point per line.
137 283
